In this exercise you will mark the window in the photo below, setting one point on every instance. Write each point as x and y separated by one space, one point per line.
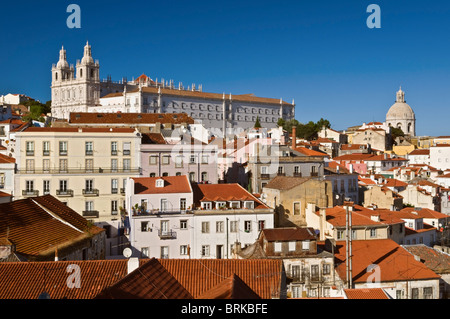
30 165
89 148
183 250
114 207
415 293
114 186
204 176
354 234
305 245
314 272
89 185
296 208
164 226
114 165
126 164
62 148
63 185
153 160
166 160
192 176
164 252
145 227
326 269
89 165
164 203
247 226
182 203
261 224
46 148
145 252
179 161
277 247
219 227
159 183
206 205
192 159
183 224
205 159
46 187
205 227
46 165
249 204
126 148
63 166
373 233
89 206
205 250
428 293
398 294
30 148
340 234
113 148
29 186
291 245
234 226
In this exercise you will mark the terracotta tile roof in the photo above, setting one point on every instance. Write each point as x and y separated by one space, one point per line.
425 212
286 182
130 118
366 181
366 293
333 166
36 232
27 280
230 288
150 281
434 259
224 192
289 233
308 152
420 152
348 147
353 157
263 276
336 216
213 96
392 182
394 262
172 184
153 138
4 159
79 130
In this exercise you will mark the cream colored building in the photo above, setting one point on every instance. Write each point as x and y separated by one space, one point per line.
86 168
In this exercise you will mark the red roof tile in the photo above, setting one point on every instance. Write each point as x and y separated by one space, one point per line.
263 276
366 293
230 288
394 262
150 281
129 118
172 184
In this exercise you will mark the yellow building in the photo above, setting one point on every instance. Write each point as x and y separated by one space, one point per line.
86 168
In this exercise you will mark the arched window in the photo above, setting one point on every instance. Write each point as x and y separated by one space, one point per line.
81 73
56 76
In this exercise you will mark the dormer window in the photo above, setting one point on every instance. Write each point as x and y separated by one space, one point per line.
249 204
160 182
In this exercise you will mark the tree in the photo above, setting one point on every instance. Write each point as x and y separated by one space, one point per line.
257 123
396 132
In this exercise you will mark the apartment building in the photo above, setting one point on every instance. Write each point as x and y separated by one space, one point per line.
86 168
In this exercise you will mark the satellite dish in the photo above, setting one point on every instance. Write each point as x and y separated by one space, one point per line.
127 252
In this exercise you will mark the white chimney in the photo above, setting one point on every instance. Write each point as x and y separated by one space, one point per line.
133 264
375 218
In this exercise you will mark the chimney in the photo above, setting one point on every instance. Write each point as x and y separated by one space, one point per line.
133 264
351 168
294 137
56 254
375 218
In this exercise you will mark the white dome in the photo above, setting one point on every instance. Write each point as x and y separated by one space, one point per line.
400 110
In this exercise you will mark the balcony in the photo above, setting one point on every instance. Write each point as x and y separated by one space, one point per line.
298 174
114 190
265 176
90 192
62 153
114 152
281 174
167 234
30 193
91 213
126 152
30 153
45 153
64 170
89 152
314 174
64 193
122 191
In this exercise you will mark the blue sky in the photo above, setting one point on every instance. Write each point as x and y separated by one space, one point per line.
320 53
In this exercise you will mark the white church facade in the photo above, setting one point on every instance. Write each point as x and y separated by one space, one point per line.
401 115
80 89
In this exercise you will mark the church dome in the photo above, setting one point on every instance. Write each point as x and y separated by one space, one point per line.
400 110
